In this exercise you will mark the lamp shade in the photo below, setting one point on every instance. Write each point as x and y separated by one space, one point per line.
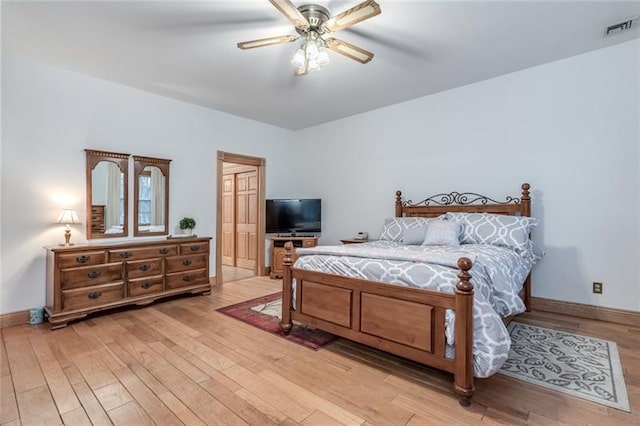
68 217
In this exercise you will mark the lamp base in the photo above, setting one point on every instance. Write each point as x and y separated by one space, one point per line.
66 245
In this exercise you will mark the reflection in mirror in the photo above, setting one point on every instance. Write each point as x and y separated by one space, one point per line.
106 194
151 196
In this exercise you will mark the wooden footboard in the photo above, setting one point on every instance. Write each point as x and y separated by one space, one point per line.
404 321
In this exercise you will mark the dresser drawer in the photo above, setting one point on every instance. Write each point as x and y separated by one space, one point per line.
92 296
91 275
194 248
143 286
143 253
97 209
182 279
308 243
184 263
144 268
81 259
97 216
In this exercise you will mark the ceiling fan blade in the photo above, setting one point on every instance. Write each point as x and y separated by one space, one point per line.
289 10
349 50
266 41
365 10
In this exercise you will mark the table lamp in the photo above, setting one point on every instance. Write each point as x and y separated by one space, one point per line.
68 217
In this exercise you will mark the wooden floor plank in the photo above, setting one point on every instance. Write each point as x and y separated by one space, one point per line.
89 402
8 402
23 363
4 361
76 417
63 394
149 402
36 406
180 410
112 396
130 414
183 362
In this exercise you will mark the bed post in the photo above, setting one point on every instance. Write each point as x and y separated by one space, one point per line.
526 211
398 203
463 378
287 283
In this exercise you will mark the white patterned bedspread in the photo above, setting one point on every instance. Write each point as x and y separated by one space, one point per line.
497 276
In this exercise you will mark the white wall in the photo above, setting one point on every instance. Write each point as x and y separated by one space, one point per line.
50 116
570 128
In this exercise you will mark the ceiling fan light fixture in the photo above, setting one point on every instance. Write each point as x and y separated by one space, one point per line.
299 59
323 56
313 65
312 50
313 22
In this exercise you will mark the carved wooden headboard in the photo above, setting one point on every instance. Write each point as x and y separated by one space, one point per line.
468 202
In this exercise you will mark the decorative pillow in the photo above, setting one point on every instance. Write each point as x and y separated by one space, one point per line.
441 233
496 229
395 226
414 236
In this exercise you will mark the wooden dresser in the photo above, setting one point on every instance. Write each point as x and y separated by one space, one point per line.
277 251
89 278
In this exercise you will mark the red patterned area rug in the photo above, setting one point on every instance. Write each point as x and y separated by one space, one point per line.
265 313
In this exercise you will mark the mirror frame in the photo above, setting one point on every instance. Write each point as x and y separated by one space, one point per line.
139 163
122 161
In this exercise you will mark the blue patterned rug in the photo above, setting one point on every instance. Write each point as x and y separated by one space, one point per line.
581 366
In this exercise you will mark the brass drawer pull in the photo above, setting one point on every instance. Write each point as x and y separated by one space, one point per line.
94 295
125 254
146 285
145 267
195 248
164 250
187 262
83 259
186 278
94 274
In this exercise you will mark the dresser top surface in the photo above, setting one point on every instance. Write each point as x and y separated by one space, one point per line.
125 244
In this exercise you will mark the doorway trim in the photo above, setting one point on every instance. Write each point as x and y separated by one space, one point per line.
260 163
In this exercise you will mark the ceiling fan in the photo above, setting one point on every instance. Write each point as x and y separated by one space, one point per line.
313 22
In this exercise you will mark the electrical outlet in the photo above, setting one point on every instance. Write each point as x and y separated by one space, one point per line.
597 288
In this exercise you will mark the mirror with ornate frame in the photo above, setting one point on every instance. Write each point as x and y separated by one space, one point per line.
107 194
151 196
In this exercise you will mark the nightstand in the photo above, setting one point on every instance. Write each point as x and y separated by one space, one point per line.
353 241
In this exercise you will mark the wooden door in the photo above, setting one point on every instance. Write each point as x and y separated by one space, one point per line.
228 220
246 208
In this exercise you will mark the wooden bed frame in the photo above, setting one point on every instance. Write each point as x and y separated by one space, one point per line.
404 321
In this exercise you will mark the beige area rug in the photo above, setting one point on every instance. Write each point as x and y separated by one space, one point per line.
581 366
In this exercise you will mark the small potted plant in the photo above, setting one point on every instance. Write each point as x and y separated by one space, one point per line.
187 224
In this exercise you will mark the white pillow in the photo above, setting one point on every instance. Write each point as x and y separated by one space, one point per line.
442 233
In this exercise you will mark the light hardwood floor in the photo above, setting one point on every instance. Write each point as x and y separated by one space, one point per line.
182 362
232 273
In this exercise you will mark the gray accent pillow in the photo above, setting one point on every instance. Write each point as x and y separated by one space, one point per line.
443 233
395 226
495 229
414 236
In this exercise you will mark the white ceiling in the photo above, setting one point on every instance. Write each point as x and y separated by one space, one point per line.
187 50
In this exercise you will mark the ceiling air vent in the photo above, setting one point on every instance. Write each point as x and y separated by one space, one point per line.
621 26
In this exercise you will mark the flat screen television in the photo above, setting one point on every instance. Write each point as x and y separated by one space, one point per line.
294 215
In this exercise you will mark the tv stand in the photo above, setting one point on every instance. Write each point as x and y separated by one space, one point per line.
277 251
